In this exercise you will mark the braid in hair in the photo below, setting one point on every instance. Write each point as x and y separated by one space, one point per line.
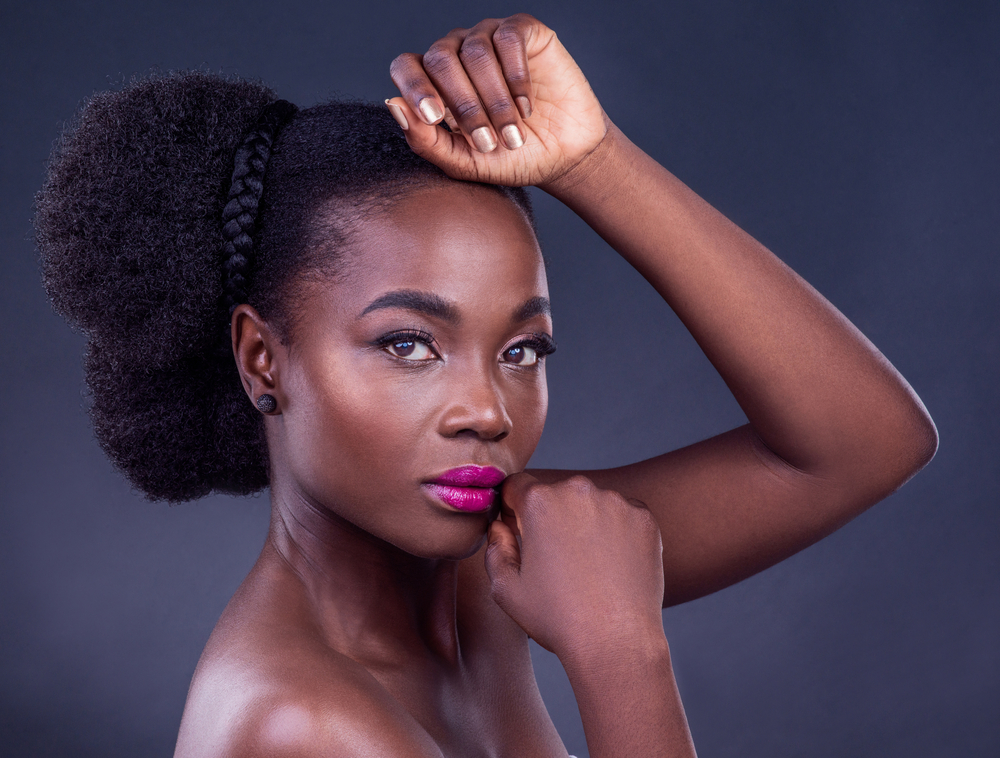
239 217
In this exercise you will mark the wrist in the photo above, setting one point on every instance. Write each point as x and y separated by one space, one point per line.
588 169
622 655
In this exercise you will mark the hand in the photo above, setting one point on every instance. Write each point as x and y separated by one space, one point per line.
587 577
503 82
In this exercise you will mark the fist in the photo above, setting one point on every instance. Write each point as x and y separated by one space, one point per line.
518 108
588 572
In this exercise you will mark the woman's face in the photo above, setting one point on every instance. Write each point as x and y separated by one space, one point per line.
424 355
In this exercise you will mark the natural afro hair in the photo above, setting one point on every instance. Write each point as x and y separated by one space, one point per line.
129 226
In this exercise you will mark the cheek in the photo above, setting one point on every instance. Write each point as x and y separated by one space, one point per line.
348 421
527 406
348 433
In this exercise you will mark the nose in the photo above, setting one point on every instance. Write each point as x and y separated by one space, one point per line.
475 407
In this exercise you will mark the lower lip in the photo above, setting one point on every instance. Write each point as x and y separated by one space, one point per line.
472 499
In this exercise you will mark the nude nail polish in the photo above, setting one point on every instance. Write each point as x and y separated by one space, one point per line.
430 110
397 113
512 136
523 105
483 139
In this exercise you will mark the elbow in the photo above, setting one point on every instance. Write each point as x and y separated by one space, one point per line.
890 443
916 440
925 439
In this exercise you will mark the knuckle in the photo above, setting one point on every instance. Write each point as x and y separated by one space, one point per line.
507 35
524 24
645 518
522 19
518 75
640 515
501 109
413 84
437 59
580 486
494 551
467 108
531 494
475 50
402 63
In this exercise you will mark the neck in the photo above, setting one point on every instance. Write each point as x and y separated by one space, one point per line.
374 601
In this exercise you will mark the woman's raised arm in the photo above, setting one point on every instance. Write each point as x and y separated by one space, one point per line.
833 427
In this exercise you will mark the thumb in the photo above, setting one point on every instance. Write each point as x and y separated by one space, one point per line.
503 560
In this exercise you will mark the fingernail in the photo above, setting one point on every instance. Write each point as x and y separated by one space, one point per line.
397 113
523 105
482 138
450 121
430 110
512 137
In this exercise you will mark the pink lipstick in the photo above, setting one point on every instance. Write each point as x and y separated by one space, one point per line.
467 488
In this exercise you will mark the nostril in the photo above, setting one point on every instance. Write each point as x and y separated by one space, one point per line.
481 435
480 414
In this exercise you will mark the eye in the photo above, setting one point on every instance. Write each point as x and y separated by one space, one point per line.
522 355
408 346
410 349
528 352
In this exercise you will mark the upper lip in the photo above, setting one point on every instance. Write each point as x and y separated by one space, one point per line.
471 476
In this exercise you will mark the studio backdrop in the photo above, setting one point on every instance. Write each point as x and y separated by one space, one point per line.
857 140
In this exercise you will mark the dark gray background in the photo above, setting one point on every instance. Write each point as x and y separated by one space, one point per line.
858 140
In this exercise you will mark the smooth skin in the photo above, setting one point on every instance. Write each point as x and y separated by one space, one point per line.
376 621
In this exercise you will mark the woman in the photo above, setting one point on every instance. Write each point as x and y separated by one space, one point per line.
390 326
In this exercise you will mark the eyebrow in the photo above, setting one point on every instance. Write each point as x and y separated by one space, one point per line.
536 306
438 307
414 300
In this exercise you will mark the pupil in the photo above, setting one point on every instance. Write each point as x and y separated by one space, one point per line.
515 354
404 348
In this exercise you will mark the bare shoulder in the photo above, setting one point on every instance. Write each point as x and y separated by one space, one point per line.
270 683
267 685
344 719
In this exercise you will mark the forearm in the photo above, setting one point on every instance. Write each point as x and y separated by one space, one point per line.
629 703
815 391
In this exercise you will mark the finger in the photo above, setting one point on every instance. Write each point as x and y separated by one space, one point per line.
448 150
510 41
514 494
509 518
450 121
449 77
503 561
418 91
482 66
400 112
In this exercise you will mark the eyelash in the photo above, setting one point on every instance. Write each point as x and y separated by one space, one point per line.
542 344
406 335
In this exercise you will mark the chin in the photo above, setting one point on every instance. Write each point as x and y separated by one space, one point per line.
452 544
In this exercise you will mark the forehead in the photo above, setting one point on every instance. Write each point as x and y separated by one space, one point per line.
456 240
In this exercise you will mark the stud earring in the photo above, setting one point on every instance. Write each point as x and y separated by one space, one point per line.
267 404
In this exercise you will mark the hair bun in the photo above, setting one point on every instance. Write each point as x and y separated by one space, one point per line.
128 226
128 221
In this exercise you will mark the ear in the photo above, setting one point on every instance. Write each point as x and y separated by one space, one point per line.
258 353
